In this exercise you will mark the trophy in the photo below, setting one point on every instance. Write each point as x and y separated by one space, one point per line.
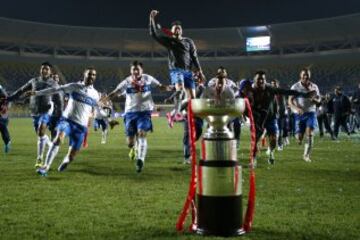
219 188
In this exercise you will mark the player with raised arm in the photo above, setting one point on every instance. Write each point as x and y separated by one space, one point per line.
182 59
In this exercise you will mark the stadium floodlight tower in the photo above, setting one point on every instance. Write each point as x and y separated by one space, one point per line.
219 188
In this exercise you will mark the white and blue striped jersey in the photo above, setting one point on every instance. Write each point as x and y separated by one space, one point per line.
138 94
225 94
82 100
305 103
229 83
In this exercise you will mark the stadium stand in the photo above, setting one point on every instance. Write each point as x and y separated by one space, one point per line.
329 46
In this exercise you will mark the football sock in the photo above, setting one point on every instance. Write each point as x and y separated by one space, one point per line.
308 145
142 148
177 103
104 135
42 141
66 159
53 150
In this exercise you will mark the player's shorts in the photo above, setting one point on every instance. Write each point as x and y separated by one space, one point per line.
178 75
308 119
101 122
40 119
271 126
4 121
135 121
53 122
74 131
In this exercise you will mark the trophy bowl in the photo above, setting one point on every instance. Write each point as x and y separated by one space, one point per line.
205 107
218 114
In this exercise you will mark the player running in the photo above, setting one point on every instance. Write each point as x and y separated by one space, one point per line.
101 119
262 99
58 107
40 106
138 108
83 99
305 111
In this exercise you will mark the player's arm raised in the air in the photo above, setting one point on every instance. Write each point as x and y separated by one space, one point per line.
156 33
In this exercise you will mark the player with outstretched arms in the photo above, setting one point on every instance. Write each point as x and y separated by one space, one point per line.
83 98
40 107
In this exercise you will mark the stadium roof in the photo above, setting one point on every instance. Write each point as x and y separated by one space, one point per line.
314 34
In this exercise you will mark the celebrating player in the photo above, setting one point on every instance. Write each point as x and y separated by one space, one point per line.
83 98
305 111
58 107
182 57
138 108
40 106
222 73
101 119
262 98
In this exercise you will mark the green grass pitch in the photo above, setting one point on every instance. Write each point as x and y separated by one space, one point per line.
101 197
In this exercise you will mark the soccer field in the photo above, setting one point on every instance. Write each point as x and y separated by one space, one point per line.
100 196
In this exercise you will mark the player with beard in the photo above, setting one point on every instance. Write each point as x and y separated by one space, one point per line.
83 98
222 72
235 124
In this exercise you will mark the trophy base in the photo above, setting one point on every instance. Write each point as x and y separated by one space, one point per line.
237 232
219 216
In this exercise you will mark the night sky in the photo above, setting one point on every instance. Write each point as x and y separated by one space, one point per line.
193 14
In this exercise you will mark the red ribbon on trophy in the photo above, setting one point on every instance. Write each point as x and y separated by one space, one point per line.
190 199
